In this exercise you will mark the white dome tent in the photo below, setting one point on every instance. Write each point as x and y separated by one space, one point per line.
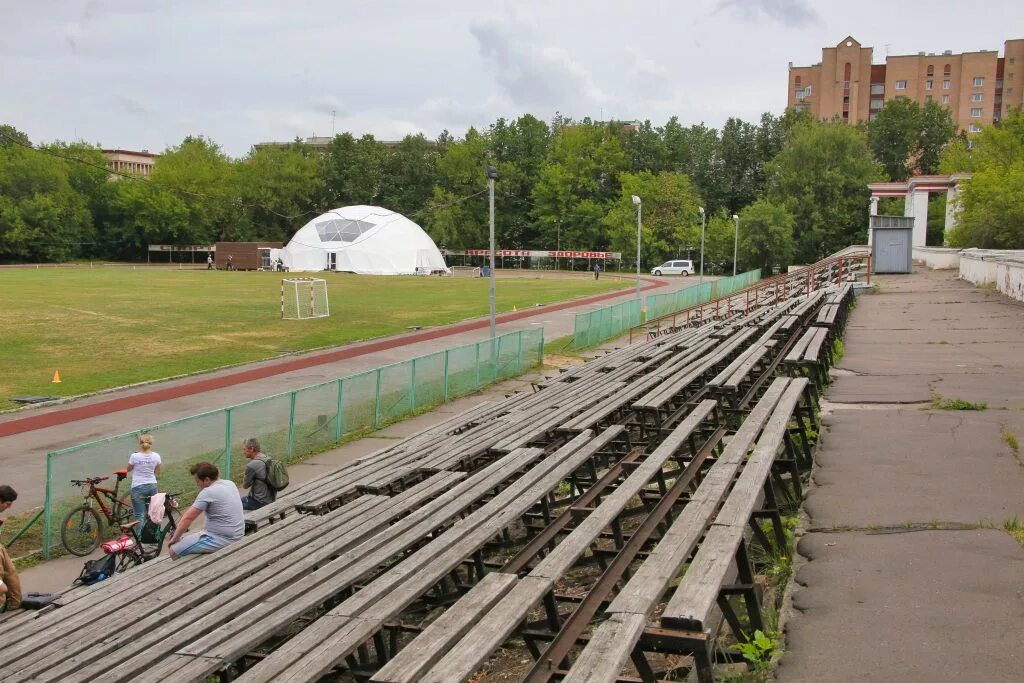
368 240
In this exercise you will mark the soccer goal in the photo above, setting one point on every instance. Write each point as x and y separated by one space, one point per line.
304 297
465 271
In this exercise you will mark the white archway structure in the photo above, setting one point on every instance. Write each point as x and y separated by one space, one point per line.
368 240
915 193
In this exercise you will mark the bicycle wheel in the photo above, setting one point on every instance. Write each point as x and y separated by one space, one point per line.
80 531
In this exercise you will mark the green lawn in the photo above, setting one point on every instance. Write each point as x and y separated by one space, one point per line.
110 327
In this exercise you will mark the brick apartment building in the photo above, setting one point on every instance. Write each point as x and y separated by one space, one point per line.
978 87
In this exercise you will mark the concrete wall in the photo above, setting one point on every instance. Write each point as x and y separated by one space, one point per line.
1005 269
937 258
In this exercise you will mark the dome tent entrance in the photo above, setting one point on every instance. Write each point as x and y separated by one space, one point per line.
368 240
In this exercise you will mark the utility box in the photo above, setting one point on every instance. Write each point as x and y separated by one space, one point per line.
891 244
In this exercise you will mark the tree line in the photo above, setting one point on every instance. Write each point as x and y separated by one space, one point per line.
797 184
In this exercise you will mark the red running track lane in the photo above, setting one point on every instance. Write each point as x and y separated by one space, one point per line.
59 417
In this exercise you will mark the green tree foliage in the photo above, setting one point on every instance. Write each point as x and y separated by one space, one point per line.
519 149
576 184
822 175
766 236
353 170
409 175
206 180
990 208
452 220
669 213
905 136
277 188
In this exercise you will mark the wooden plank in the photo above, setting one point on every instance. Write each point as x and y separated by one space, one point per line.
813 351
796 352
492 630
428 647
609 648
697 594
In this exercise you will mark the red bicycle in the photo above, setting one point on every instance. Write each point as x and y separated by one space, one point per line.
81 531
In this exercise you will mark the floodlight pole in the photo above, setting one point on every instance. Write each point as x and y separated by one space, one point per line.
703 218
735 243
492 175
639 208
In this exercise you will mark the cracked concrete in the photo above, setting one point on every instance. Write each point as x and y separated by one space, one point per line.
908 574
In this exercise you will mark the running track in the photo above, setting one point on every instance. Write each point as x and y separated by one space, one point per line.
71 414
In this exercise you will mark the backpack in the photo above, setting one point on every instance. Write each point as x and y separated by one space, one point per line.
37 600
95 571
277 475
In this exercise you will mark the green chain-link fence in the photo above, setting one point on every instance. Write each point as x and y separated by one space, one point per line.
605 323
289 425
666 304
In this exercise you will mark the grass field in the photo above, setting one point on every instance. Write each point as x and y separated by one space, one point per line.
109 327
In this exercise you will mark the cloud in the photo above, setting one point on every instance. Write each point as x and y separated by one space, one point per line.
532 74
795 13
647 75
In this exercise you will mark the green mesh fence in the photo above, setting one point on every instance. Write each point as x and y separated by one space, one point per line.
290 425
605 323
666 304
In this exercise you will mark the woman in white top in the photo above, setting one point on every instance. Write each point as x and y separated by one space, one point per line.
144 466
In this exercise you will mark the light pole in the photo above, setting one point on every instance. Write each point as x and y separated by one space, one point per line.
735 242
702 223
492 175
639 208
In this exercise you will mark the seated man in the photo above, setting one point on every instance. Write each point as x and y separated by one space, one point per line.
10 585
219 499
255 479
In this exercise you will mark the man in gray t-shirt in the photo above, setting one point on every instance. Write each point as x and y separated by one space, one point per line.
255 478
218 499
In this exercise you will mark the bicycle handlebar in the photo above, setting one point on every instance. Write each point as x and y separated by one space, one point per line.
88 480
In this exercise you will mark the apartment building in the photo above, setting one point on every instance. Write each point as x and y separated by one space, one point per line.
977 87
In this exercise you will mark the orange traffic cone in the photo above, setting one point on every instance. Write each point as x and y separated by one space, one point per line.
514 309
56 377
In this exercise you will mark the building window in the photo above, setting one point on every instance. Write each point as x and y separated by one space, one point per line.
799 95
928 85
999 84
931 69
878 88
846 85
979 82
877 103
901 85
927 99
846 114
1013 60
846 100
872 116
978 97
945 85
945 99
976 112
974 128
807 90
947 70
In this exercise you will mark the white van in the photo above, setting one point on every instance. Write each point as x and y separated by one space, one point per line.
674 268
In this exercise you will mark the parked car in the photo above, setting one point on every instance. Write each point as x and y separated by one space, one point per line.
674 268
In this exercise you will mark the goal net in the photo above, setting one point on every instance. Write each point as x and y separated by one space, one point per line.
304 297
465 271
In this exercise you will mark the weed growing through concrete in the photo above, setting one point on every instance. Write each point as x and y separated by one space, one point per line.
940 341
1015 529
838 351
940 403
1011 440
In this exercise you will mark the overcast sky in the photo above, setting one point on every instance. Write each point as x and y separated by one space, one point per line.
142 74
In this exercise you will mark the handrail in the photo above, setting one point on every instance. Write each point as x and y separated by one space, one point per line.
801 281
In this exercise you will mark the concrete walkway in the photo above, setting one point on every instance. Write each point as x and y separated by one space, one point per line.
909 574
23 452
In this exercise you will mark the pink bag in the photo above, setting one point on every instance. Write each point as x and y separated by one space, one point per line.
118 546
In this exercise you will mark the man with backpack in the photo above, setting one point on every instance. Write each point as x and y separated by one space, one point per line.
264 476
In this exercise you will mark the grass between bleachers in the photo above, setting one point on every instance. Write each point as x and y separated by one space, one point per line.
105 328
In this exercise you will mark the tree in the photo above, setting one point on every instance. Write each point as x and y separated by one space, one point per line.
139 213
454 217
519 149
279 189
766 236
11 136
645 148
204 178
669 215
905 136
990 212
822 175
409 174
579 179
42 217
353 170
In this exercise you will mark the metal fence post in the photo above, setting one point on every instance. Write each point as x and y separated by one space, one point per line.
291 427
47 502
412 388
376 403
519 363
478 365
227 441
446 354
338 429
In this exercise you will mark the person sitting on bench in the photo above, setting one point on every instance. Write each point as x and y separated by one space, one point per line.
225 523
10 585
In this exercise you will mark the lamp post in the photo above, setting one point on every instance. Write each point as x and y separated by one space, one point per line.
639 208
492 175
702 224
735 242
